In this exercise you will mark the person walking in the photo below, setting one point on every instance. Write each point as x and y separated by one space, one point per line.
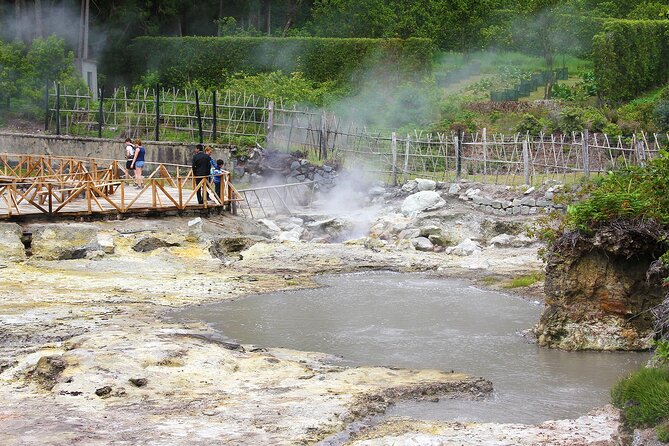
201 168
138 163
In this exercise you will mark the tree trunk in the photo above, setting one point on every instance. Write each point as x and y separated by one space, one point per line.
39 23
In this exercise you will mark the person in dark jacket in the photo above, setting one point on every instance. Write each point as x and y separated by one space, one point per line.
201 168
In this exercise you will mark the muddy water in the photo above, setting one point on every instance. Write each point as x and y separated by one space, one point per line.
409 320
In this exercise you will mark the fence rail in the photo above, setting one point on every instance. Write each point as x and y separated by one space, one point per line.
52 186
228 117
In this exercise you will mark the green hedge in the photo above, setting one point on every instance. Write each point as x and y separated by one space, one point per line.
569 33
211 60
630 57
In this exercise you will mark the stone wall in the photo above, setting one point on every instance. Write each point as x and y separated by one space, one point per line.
157 152
530 202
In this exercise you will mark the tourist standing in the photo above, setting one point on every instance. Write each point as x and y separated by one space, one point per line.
129 156
201 170
138 163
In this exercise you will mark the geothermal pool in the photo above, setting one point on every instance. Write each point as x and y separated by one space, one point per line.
417 321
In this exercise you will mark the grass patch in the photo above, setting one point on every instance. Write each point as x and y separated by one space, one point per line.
643 396
525 281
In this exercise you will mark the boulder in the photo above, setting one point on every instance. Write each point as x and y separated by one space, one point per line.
151 243
410 187
454 189
421 202
11 246
224 247
502 240
422 244
291 236
465 248
64 241
269 224
106 242
334 227
426 184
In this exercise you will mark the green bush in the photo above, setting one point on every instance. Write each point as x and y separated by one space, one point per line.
212 61
630 57
634 193
661 115
643 397
571 120
529 124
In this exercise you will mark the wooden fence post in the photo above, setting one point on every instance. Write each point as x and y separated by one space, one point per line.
46 106
214 117
57 108
526 160
458 156
101 116
407 146
485 152
393 147
157 135
324 138
270 123
586 153
199 117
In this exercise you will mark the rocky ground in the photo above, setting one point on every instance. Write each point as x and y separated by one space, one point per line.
86 356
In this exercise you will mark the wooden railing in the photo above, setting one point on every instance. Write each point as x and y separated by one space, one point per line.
45 185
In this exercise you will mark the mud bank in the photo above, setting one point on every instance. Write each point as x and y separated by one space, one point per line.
87 358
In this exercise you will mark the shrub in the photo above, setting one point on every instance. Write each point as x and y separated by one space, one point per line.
630 57
570 120
644 396
661 115
529 124
212 60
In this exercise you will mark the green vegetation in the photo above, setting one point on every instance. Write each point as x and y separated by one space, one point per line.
643 397
525 281
631 56
24 71
211 61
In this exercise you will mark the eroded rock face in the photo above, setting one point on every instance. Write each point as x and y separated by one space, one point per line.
64 241
598 294
11 247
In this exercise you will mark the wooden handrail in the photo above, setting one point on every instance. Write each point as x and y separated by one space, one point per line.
38 184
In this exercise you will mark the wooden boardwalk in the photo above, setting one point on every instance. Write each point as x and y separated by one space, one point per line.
37 186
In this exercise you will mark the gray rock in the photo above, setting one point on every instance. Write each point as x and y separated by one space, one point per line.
148 244
334 227
224 247
465 248
549 195
427 231
11 246
327 168
529 191
295 165
269 224
422 244
409 234
422 201
502 240
106 242
64 241
440 240
138 382
497 204
410 187
424 184
528 201
524 210
454 189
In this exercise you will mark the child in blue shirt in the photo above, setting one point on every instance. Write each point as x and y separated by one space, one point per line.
218 174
